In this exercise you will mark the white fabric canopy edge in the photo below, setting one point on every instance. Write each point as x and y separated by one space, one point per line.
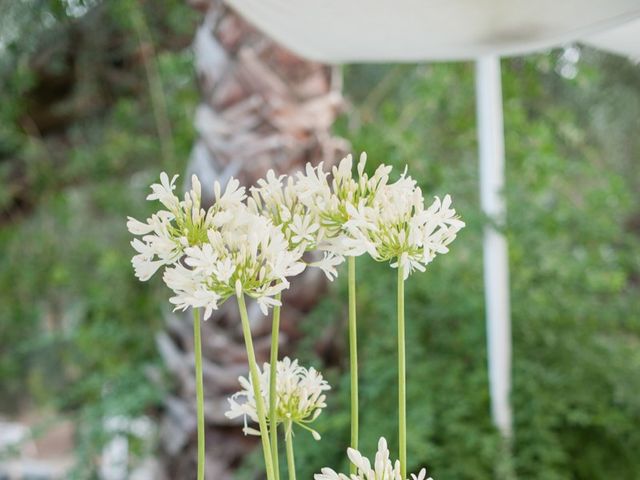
298 31
621 40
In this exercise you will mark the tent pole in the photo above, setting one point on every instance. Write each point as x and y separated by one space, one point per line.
496 265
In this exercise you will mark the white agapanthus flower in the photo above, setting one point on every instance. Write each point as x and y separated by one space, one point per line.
382 468
246 254
181 224
407 233
345 206
277 198
300 396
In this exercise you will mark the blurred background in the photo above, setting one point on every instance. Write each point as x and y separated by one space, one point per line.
98 97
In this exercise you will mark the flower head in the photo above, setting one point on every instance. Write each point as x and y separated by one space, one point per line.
180 224
407 233
382 468
247 254
215 253
278 198
345 206
300 396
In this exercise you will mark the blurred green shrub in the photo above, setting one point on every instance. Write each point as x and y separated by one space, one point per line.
76 328
575 263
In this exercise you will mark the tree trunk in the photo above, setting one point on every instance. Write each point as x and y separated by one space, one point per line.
262 107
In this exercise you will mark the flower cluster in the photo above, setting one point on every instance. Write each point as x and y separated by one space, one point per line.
279 199
344 206
407 234
181 224
213 254
371 215
248 254
383 468
300 396
253 246
280 203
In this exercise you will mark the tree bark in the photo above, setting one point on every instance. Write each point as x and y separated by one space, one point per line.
262 107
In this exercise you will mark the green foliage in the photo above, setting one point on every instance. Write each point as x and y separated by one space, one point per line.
572 197
77 329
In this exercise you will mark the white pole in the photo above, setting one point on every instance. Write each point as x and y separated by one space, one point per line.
496 264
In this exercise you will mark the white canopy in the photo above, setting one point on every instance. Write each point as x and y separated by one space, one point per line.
347 31
623 40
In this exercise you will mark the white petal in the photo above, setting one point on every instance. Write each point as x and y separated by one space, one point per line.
137 227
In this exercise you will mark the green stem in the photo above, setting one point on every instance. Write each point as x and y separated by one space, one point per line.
199 391
273 418
288 439
255 382
353 354
402 377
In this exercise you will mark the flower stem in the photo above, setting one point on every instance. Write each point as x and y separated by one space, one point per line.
402 377
199 391
273 418
255 383
288 439
353 355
